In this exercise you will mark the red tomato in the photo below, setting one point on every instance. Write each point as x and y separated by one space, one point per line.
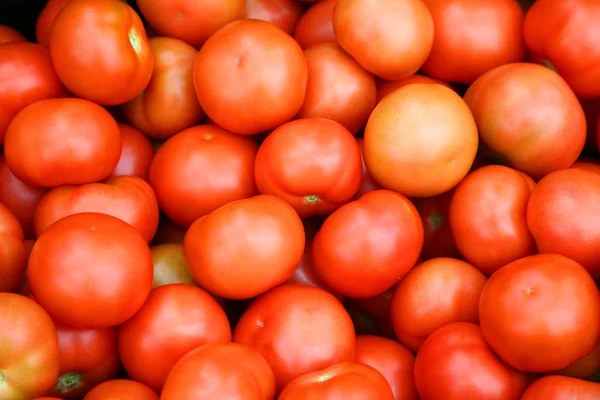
386 87
394 39
250 59
169 265
562 388
121 389
456 363
591 165
438 240
367 183
584 367
245 247
541 313
282 13
316 25
13 257
46 18
367 245
394 361
10 35
229 158
62 142
136 154
220 371
105 264
313 164
298 329
341 381
169 103
100 50
29 351
529 115
27 76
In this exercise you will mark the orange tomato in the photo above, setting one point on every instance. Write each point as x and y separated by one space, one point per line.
136 154
316 25
10 35
282 13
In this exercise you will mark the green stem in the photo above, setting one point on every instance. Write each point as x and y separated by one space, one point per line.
69 382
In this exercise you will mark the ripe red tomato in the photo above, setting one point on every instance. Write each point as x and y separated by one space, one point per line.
282 13
46 18
13 256
103 262
229 158
367 245
29 351
584 367
438 240
316 25
169 103
541 313
298 329
313 164
367 183
529 115
341 381
220 371
169 265
562 388
10 35
121 389
62 142
136 154
386 87
100 50
456 363
588 165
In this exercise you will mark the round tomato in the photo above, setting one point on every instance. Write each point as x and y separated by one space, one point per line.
386 87
100 50
103 262
313 164
584 367
136 154
591 165
183 193
367 183
169 265
10 35
13 256
316 25
438 240
541 313
121 389
245 247
562 388
282 13
220 371
298 329
46 18
250 59
169 103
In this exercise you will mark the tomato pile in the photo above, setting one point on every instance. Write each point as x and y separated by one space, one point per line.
301 200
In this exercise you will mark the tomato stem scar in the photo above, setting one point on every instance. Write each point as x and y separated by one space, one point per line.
311 199
529 291
68 382
436 220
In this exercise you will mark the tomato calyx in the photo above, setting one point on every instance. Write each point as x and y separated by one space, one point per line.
68 382
311 199
436 220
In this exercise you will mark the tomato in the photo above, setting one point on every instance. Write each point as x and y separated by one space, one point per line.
529 115
169 103
88 357
27 76
29 349
100 50
103 262
587 164
245 247
541 313
282 13
313 164
228 157
568 196
367 245
456 363
46 18
10 35
13 257
250 59
394 39
298 329
62 142
136 154
121 389
433 294
341 381
168 232
338 87
229 371
584 367
562 388
316 25
394 361
488 217
367 183
386 87
169 265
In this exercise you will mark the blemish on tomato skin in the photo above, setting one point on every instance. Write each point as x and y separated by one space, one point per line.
135 41
528 291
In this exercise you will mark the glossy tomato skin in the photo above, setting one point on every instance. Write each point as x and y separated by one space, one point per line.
529 115
13 256
367 182
116 65
169 103
557 387
62 142
90 247
282 13
10 35
232 371
229 158
27 76
316 25
250 59
557 301
367 245
313 164
584 367
345 380
567 196
591 165
121 389
386 87
44 22
30 357
136 154
438 239
271 327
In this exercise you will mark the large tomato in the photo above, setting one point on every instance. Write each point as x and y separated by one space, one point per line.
298 329
10 35
136 153
367 245
562 388
314 164
529 115
250 59
100 50
13 257
438 239
427 132
282 13
316 25
541 313
367 183
121 389
185 195
44 21
29 358
62 142
386 87
90 270
220 371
